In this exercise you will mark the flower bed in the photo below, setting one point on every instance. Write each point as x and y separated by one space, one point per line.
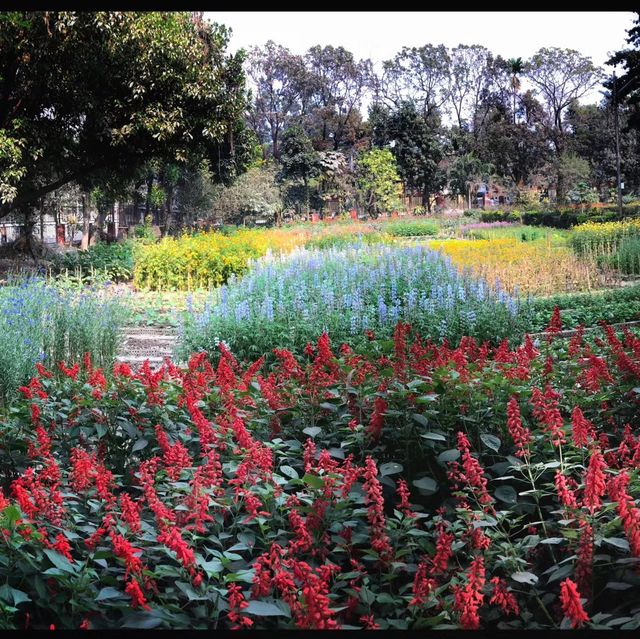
288 300
409 486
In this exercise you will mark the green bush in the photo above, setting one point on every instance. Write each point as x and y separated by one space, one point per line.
414 228
112 262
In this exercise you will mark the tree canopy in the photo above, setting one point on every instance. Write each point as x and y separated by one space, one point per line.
88 94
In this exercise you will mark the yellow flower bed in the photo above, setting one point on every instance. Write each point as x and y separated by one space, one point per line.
523 266
602 238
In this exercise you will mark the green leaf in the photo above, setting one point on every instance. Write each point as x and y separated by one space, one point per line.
434 436
449 455
101 430
289 472
618 542
390 468
12 514
618 585
139 445
313 480
420 419
506 494
13 596
108 593
525 578
426 485
331 407
60 561
552 540
312 431
264 609
490 441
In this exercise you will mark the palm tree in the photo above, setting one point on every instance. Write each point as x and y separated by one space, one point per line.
516 67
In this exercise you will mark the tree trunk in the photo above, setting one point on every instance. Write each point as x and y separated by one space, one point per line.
86 223
147 204
97 232
168 217
28 228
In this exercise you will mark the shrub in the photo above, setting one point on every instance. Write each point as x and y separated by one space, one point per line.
413 228
113 262
410 486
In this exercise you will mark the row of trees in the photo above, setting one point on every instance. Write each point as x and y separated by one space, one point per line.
451 117
150 107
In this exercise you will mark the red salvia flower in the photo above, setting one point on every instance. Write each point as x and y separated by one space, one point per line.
583 429
403 493
443 552
61 544
595 481
368 623
503 598
468 599
566 495
520 434
375 511
123 549
42 371
137 596
173 540
130 512
627 511
571 604
377 418
555 323
237 603
472 473
422 586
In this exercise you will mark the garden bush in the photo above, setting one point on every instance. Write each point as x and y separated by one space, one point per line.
112 262
288 300
597 239
415 228
412 485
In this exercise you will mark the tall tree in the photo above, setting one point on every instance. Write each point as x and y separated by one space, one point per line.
279 79
337 83
516 67
468 81
561 76
379 186
85 92
299 164
417 75
417 148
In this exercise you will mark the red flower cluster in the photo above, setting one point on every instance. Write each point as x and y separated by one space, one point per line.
571 604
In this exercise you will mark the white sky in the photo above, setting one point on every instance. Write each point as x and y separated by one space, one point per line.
378 35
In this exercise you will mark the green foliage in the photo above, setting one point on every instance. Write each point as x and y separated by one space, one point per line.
378 181
125 88
412 228
613 306
255 194
113 262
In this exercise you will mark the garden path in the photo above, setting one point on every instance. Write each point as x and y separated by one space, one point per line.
147 342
